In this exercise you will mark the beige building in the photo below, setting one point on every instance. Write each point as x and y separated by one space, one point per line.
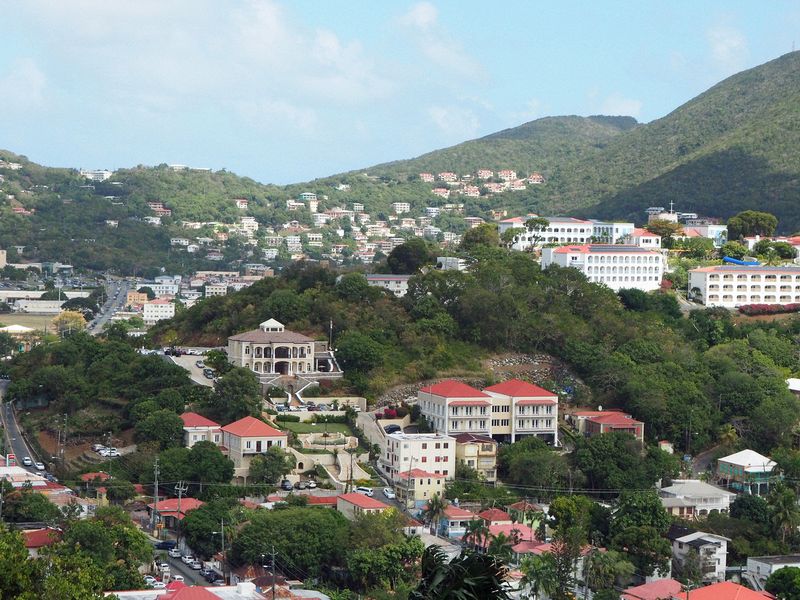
478 452
196 428
506 412
431 452
157 310
353 505
135 298
271 351
418 486
249 437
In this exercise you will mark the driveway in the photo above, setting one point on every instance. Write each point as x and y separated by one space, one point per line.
188 361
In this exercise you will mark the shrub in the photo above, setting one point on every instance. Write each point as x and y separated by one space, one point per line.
753 310
288 418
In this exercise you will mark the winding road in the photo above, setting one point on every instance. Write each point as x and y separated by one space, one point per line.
13 433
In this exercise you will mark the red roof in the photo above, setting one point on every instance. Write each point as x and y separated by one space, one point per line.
615 419
192 419
727 590
38 538
454 512
171 505
494 514
321 500
252 427
524 505
419 473
363 501
92 476
520 389
453 389
470 403
655 590
194 592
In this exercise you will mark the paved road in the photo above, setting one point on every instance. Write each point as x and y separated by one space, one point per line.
117 292
12 431
187 361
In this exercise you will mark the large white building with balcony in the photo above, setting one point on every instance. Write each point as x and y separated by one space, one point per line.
506 412
560 230
732 286
617 266
271 351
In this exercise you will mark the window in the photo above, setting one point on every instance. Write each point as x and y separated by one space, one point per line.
247 444
424 446
446 445
424 459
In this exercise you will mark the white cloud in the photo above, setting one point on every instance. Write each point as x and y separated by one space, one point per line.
274 115
728 47
422 15
422 21
23 85
618 105
457 124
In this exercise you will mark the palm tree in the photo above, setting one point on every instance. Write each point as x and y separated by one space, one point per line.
785 512
539 574
728 435
469 576
502 546
476 533
434 511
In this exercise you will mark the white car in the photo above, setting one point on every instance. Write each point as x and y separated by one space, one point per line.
187 558
105 452
366 491
174 553
98 447
311 484
177 578
149 579
163 567
27 461
113 452
196 565
389 493
158 585
39 466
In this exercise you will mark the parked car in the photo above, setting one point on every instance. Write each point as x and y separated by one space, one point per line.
158 585
212 576
163 567
39 466
208 373
97 447
104 452
187 558
165 545
389 493
392 428
300 485
311 484
286 485
196 565
27 461
218 582
113 452
365 490
205 572
149 579
174 553
177 578
199 364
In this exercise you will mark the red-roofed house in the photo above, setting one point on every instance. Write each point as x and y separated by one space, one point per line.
478 452
454 522
417 485
643 238
173 510
40 538
523 410
726 590
196 428
354 504
249 437
495 516
330 501
596 422
97 476
660 589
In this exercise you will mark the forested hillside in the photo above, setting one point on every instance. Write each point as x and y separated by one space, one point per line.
639 354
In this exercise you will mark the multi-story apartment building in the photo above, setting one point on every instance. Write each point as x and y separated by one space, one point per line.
617 266
732 286
610 232
507 411
485 174
164 289
560 230
133 298
400 207
396 284
96 174
215 289
507 174
711 549
249 437
431 452
478 452
427 177
157 310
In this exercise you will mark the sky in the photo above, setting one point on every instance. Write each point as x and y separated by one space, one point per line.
288 91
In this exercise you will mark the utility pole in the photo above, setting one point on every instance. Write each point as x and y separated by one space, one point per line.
181 490
155 494
64 440
274 575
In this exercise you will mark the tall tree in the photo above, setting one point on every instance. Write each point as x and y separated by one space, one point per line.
469 576
751 222
270 466
407 258
237 394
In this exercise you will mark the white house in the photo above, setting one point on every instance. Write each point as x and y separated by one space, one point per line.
401 207
196 428
396 284
694 498
560 230
157 310
734 285
432 452
761 567
711 549
611 232
617 266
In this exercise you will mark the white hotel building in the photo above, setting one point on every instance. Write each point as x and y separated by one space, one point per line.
506 412
432 452
617 266
732 286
